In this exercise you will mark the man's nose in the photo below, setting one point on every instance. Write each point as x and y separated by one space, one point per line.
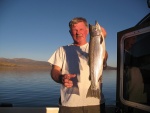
77 32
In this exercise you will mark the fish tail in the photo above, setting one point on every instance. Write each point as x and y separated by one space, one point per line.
93 93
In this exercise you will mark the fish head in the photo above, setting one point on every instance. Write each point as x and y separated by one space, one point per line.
95 30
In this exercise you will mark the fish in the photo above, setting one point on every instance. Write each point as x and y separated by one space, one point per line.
97 52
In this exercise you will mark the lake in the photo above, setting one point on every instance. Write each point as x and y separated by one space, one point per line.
37 89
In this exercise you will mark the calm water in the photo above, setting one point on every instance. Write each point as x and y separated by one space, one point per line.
37 89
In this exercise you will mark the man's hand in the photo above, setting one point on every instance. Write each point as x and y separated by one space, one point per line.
66 80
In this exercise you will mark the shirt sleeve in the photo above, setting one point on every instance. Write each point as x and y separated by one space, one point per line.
57 57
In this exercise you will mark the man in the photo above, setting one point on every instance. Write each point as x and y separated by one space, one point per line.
70 68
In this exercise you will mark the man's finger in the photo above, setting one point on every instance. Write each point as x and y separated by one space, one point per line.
68 83
72 75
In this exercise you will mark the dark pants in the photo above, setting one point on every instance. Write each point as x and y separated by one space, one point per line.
84 109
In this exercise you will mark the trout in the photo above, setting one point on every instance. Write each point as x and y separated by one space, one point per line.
96 58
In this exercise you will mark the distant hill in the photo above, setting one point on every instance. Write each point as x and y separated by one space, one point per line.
23 63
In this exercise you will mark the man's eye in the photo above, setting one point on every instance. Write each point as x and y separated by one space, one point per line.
73 30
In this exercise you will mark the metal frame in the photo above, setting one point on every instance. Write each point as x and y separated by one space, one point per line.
126 102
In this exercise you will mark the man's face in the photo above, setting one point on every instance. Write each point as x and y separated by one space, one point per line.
79 33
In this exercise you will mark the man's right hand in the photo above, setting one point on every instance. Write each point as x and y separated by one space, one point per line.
66 80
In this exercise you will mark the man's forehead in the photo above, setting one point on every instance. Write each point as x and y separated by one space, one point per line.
80 24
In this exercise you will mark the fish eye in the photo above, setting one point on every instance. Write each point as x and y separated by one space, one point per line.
95 29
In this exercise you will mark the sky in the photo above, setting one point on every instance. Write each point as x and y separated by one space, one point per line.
34 29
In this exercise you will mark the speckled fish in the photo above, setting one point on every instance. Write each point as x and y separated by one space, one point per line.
96 57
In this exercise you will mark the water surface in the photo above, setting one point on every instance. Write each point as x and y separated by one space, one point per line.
37 89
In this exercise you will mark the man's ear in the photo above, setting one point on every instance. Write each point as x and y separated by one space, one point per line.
70 32
87 30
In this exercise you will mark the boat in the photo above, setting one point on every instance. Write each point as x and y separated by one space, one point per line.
133 74
133 68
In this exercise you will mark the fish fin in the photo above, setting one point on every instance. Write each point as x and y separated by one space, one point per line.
88 60
101 40
93 93
100 79
89 77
